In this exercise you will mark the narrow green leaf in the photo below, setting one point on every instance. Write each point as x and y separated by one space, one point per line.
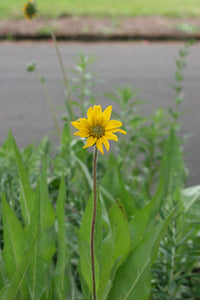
161 230
85 262
105 216
84 235
27 198
47 219
63 251
116 247
36 274
37 266
172 167
4 291
85 171
86 224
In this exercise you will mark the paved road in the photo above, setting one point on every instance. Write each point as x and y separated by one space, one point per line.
148 67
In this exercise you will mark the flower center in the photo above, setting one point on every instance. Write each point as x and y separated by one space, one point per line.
98 130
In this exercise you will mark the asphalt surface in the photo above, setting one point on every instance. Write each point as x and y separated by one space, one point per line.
147 67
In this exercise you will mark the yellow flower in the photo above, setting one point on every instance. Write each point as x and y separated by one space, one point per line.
30 10
98 128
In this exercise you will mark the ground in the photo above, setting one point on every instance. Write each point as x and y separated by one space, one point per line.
153 27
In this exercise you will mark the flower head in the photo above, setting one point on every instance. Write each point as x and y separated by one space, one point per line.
98 128
30 10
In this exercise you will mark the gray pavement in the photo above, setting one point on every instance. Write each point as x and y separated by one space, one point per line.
147 67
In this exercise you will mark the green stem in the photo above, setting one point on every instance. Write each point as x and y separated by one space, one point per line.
50 105
94 220
63 72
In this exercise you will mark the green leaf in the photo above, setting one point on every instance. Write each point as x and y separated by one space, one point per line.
105 216
14 239
113 182
11 290
133 278
47 219
37 266
116 247
85 262
87 295
191 200
86 224
66 134
36 274
188 224
63 251
84 235
145 218
85 171
3 276
27 198
172 167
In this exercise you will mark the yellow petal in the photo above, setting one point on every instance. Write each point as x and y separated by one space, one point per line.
117 130
76 124
110 136
81 119
99 145
94 115
106 114
81 124
113 124
82 133
90 142
105 142
97 116
90 113
97 110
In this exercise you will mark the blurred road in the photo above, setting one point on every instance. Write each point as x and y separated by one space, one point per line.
147 67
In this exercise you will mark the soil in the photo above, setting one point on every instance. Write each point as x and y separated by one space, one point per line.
90 28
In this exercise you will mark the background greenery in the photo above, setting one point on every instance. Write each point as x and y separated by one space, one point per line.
175 8
147 223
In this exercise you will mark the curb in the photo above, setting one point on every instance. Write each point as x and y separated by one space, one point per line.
90 29
99 38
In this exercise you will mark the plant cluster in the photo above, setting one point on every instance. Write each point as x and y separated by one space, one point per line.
120 227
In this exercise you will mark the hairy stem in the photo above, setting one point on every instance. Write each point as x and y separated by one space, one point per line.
94 220
50 104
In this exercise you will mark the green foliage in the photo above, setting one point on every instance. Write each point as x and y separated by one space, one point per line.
30 247
146 243
133 280
174 271
179 77
81 85
10 290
